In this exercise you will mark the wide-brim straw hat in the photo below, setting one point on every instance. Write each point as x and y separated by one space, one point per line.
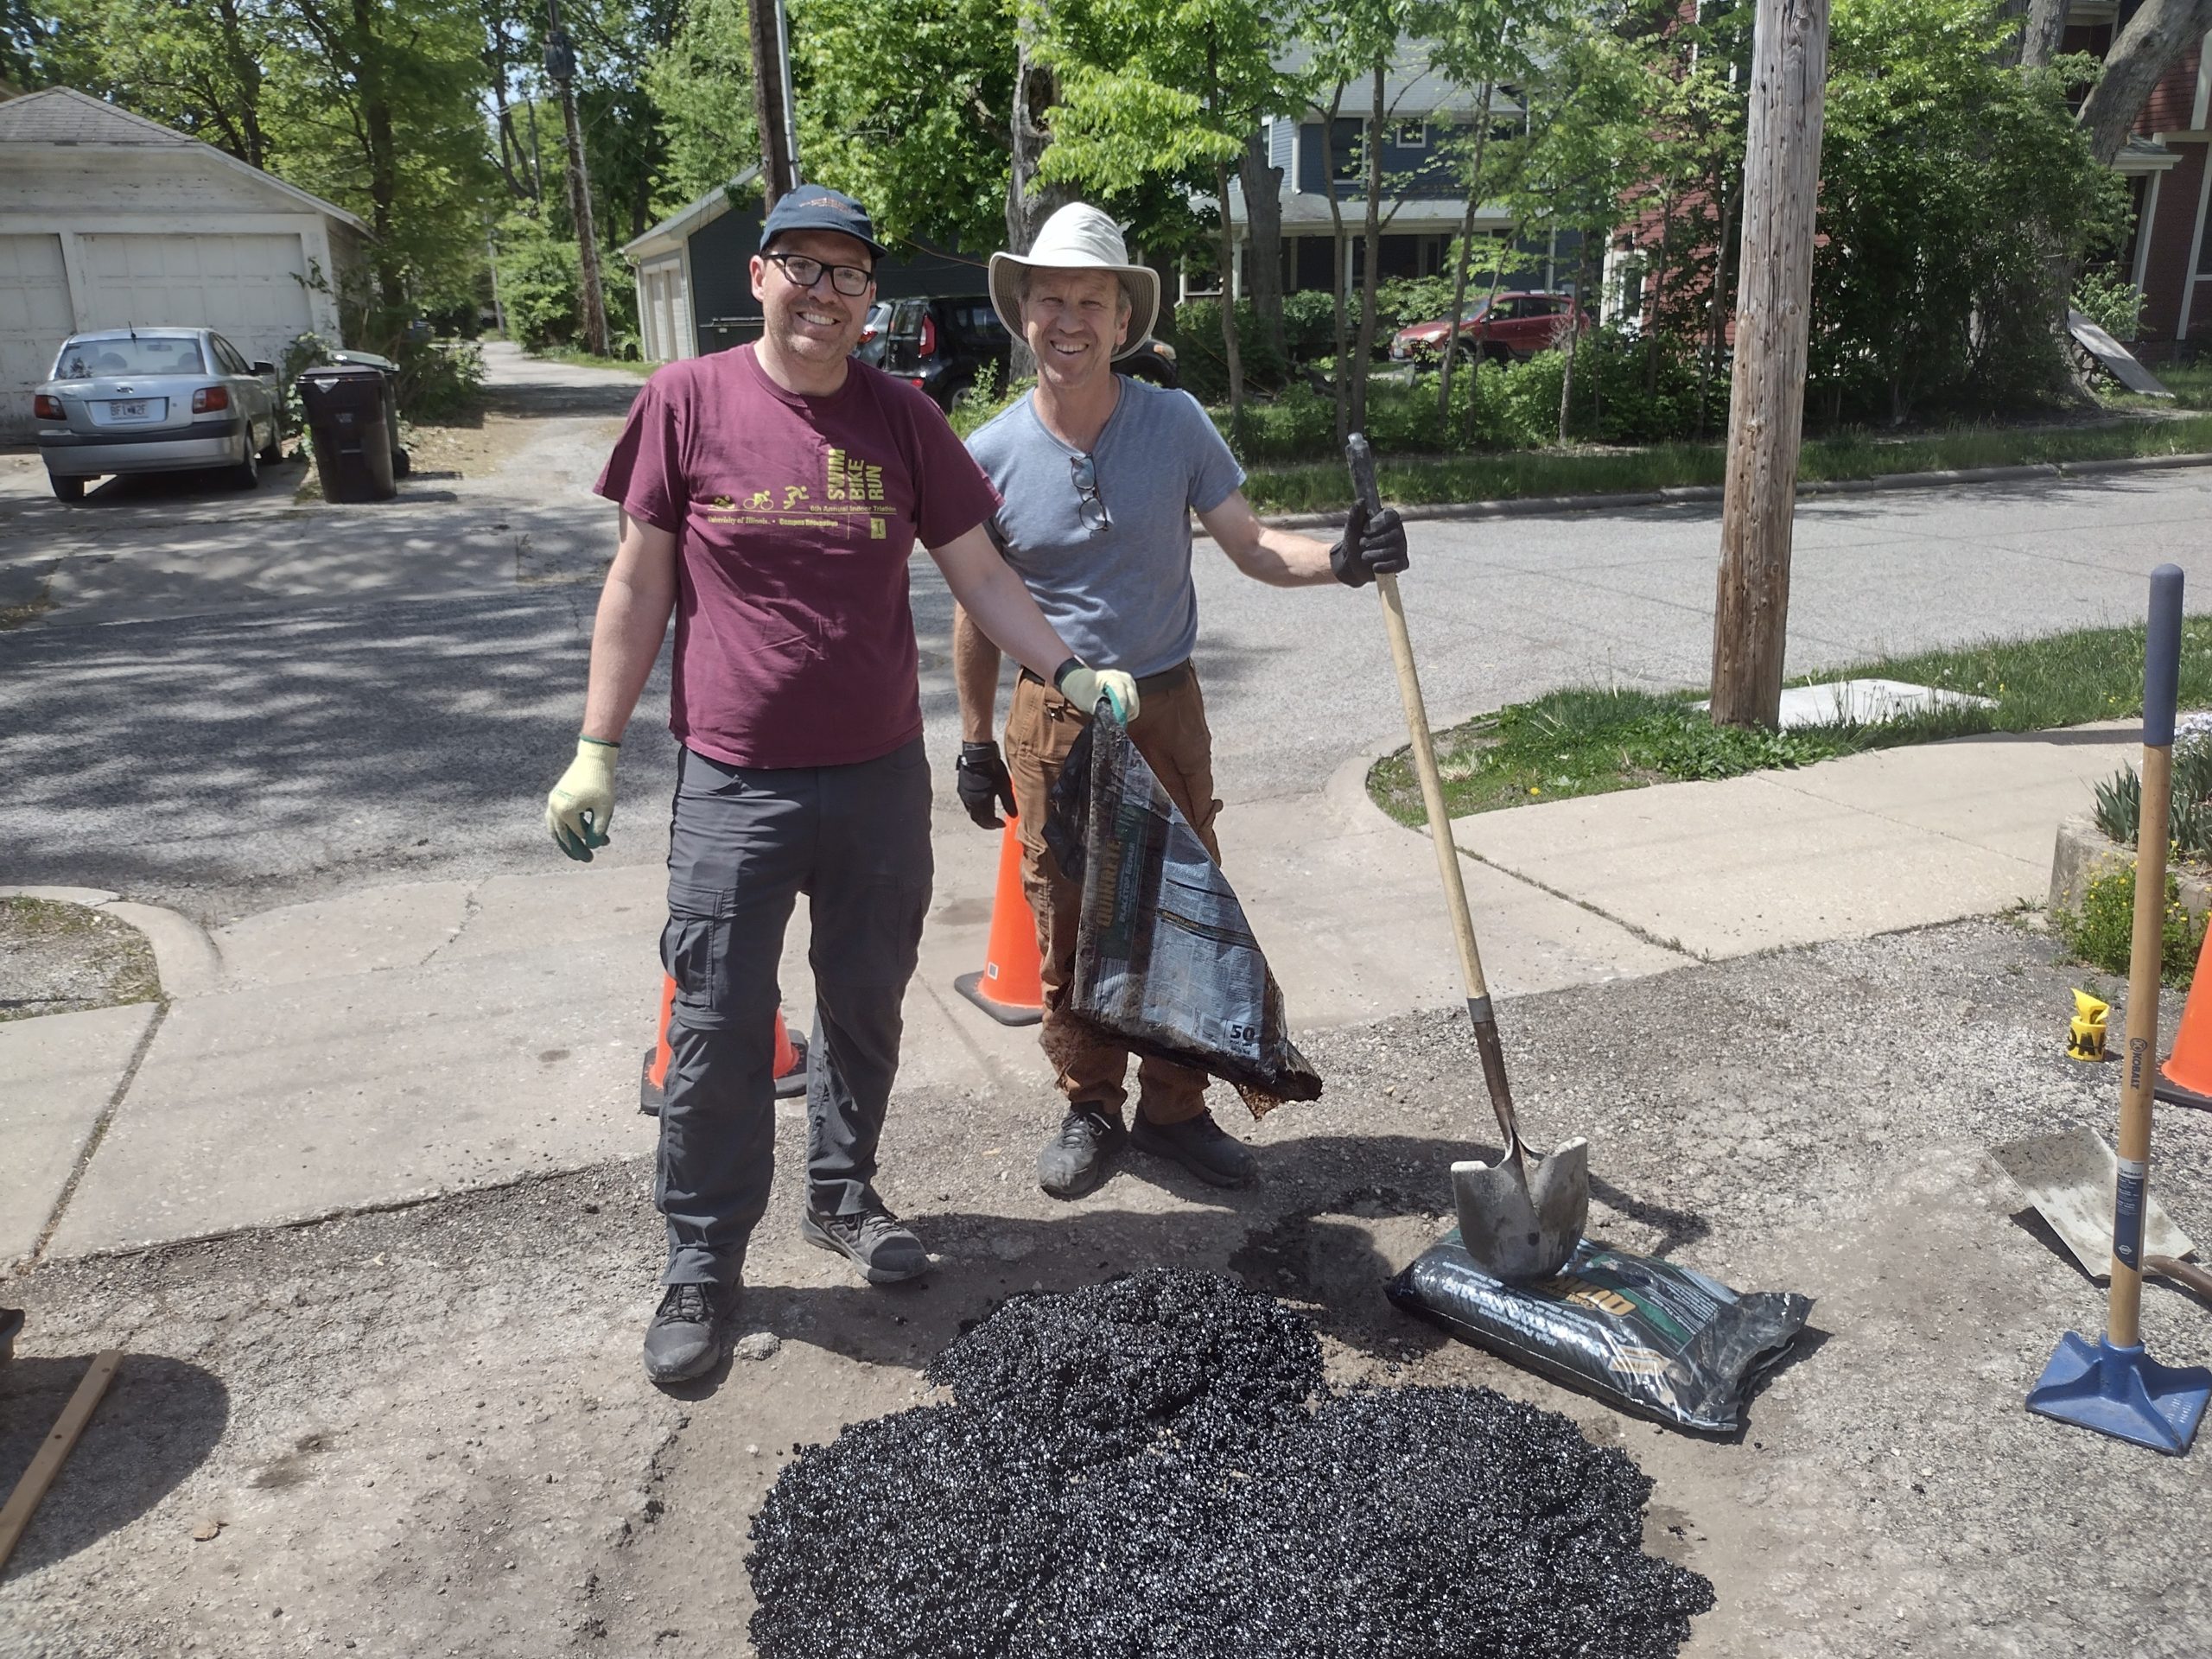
1078 238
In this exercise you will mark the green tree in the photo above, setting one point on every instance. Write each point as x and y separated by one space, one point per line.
1164 88
197 68
1953 188
906 105
1585 157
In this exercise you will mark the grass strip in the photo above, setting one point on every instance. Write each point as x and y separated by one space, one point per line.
1591 740
1320 486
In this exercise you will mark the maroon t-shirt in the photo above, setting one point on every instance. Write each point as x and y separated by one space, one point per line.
793 517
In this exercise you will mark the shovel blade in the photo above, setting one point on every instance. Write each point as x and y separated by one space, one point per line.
1521 1226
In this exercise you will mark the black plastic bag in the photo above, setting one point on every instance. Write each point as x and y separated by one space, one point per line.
1164 962
1651 1336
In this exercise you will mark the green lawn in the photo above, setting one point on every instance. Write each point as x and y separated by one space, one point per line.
1324 487
1584 741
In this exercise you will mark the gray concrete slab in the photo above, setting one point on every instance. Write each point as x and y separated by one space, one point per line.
1748 864
265 1105
401 926
58 1074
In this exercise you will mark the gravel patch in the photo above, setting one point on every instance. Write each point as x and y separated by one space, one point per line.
1152 1466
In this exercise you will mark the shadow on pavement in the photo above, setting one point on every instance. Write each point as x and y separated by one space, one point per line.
159 1421
1334 1216
526 399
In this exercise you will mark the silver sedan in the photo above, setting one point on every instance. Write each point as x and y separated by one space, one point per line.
154 400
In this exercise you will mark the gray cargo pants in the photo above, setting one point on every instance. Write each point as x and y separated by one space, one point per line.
744 843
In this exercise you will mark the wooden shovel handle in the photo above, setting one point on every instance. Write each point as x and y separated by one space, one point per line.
1480 1013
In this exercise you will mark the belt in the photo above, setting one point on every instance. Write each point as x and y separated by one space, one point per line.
1167 680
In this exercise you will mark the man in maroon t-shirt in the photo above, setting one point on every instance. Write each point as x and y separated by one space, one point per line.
770 497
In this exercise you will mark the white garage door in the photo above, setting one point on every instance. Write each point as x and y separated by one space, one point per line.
248 287
34 318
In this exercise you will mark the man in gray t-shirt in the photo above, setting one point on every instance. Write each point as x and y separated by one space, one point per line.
1100 476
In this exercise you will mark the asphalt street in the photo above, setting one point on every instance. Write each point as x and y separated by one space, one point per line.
234 702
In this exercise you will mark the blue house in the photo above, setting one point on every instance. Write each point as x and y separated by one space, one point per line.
1426 119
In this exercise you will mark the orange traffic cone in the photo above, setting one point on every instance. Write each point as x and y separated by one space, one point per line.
652 1087
1010 989
2186 1078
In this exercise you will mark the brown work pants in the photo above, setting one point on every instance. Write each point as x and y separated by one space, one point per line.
1171 733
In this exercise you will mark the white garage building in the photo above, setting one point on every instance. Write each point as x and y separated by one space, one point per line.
107 218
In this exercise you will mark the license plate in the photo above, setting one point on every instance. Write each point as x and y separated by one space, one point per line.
140 410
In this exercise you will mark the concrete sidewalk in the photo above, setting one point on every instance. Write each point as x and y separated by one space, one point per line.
409 1040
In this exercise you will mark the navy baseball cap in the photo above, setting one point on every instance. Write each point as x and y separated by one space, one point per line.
817 207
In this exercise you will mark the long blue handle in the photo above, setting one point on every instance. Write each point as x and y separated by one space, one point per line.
2162 658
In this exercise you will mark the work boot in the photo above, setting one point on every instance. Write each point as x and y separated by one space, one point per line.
1074 1160
685 1338
1201 1146
881 1245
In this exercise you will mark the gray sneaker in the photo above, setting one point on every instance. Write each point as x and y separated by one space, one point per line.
1074 1160
881 1245
1201 1146
685 1338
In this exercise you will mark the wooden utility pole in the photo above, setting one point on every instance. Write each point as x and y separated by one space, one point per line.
771 113
1766 412
560 65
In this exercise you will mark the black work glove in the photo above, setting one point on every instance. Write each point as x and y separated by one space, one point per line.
1369 547
986 790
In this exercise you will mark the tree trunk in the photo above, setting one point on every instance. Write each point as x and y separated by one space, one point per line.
1371 236
1028 203
1716 311
244 65
1341 339
1452 353
589 299
2043 25
1229 346
1766 415
2152 43
1262 185
1574 334
1648 318
778 175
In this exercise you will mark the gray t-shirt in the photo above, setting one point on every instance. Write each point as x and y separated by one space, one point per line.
1121 596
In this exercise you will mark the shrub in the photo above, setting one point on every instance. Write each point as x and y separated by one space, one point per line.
2113 303
1308 324
2103 932
1203 360
438 378
2119 809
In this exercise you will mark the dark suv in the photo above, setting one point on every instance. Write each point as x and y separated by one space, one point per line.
941 345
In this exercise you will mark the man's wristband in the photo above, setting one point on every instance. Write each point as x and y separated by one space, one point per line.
602 742
1061 673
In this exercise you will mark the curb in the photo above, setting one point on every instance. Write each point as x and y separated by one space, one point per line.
184 957
1691 494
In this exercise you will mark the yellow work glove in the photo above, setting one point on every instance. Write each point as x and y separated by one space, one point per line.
580 809
1084 687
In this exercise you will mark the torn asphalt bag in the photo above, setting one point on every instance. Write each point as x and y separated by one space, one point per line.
1164 962
1663 1341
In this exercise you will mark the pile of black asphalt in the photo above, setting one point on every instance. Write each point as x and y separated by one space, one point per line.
1154 1465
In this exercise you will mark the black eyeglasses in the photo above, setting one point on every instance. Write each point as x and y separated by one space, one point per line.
800 271
1088 502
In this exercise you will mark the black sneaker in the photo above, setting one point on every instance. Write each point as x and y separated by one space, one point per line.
881 1245
685 1338
1201 1146
1074 1160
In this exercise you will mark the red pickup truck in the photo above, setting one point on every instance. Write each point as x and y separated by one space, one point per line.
1510 325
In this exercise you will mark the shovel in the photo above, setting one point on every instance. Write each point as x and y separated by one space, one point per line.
2070 1177
1521 1218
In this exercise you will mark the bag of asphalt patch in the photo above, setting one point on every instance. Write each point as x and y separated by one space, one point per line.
1652 1338
1164 962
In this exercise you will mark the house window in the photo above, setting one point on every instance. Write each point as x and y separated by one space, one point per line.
1413 135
